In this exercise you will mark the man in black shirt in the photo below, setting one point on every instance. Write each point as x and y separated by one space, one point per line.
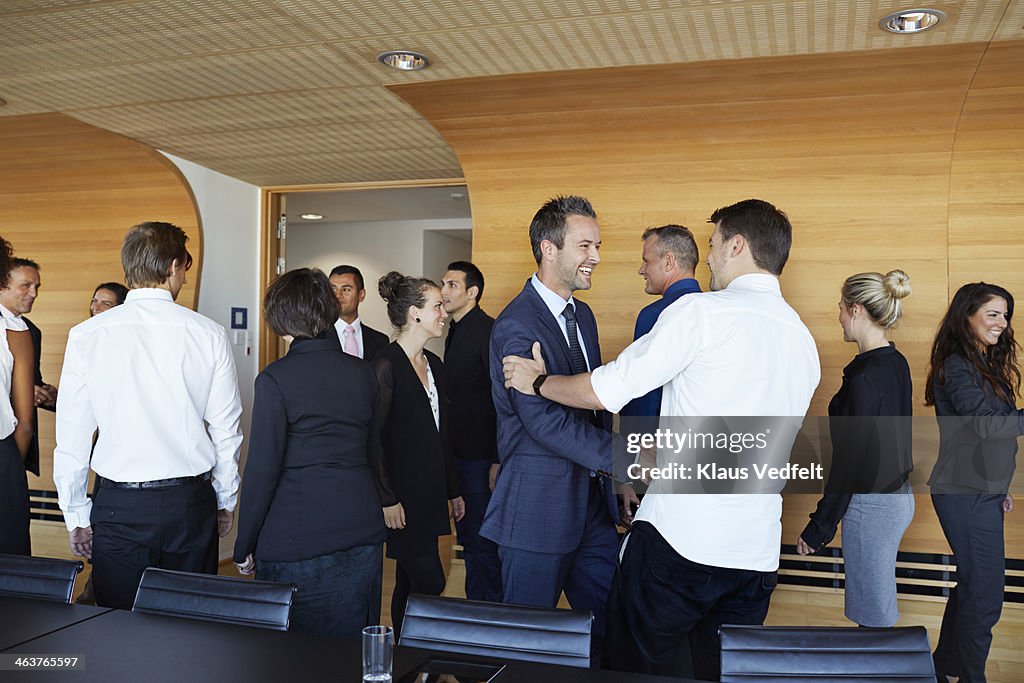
473 431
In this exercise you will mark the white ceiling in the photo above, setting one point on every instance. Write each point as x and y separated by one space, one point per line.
287 92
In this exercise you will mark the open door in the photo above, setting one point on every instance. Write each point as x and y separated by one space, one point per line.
274 261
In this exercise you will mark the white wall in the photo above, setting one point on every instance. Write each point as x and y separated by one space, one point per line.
376 248
230 213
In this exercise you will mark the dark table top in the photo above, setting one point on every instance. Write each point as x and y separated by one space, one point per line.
22 619
122 646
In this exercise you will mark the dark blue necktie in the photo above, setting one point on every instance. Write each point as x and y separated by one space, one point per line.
576 357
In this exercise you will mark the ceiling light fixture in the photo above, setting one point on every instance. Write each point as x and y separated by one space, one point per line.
404 60
912 20
311 216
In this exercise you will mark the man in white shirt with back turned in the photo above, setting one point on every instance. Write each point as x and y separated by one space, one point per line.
692 562
158 380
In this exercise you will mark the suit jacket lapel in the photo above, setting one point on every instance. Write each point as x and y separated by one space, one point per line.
549 322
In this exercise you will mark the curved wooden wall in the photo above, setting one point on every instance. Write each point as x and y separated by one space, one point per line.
904 158
69 193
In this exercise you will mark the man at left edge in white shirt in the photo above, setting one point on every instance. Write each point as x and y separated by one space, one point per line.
158 380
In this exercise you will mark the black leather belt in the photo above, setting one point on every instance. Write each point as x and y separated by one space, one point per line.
154 484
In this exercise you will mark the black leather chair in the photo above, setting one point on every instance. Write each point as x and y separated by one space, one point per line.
42 578
533 634
215 598
826 654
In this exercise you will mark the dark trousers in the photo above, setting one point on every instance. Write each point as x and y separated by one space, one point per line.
338 594
423 575
483 566
973 525
14 526
173 528
659 598
584 574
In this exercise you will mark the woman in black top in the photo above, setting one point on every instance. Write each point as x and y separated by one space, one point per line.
417 472
310 507
869 422
973 381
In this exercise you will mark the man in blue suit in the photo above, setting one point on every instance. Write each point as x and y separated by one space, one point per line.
552 514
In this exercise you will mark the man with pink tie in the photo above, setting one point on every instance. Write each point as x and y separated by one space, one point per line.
356 338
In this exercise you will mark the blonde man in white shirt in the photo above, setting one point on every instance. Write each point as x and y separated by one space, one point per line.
158 381
692 562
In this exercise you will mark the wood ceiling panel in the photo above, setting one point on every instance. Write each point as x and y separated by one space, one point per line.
172 74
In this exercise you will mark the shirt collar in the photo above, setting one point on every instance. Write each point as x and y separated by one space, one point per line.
684 286
8 313
149 293
753 282
356 325
554 302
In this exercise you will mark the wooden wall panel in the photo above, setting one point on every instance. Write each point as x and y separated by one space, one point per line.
69 193
873 155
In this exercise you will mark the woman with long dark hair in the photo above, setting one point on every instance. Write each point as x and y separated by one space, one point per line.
973 381
17 392
869 420
418 472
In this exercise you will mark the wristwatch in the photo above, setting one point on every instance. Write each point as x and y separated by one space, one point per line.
536 384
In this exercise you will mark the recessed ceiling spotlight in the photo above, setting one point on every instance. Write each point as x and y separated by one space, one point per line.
404 60
912 20
312 216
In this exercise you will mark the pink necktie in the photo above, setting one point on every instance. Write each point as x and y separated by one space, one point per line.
349 346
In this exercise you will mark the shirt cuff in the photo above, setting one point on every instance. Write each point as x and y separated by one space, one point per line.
79 517
609 390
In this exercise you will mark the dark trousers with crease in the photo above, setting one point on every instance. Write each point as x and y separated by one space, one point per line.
173 528
483 566
973 525
659 598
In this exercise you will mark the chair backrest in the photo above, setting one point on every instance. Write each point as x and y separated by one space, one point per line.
826 654
215 598
533 634
43 578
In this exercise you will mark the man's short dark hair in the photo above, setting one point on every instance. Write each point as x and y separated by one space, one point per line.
766 229
679 240
300 303
474 278
549 221
349 270
148 251
18 262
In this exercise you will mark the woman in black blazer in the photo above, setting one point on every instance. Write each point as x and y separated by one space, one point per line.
972 382
310 507
869 422
417 472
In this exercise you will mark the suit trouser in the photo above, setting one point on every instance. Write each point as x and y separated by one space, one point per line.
584 574
483 566
14 502
172 528
973 525
659 597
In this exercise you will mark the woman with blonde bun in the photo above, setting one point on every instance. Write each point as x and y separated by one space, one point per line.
869 422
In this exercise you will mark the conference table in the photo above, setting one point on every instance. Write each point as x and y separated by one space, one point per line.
115 645
23 619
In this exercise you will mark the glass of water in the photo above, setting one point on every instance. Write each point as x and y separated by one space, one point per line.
377 644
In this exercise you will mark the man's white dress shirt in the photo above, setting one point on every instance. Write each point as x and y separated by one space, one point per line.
742 351
556 304
357 330
159 382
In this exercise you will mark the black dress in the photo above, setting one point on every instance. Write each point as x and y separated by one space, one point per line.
417 469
